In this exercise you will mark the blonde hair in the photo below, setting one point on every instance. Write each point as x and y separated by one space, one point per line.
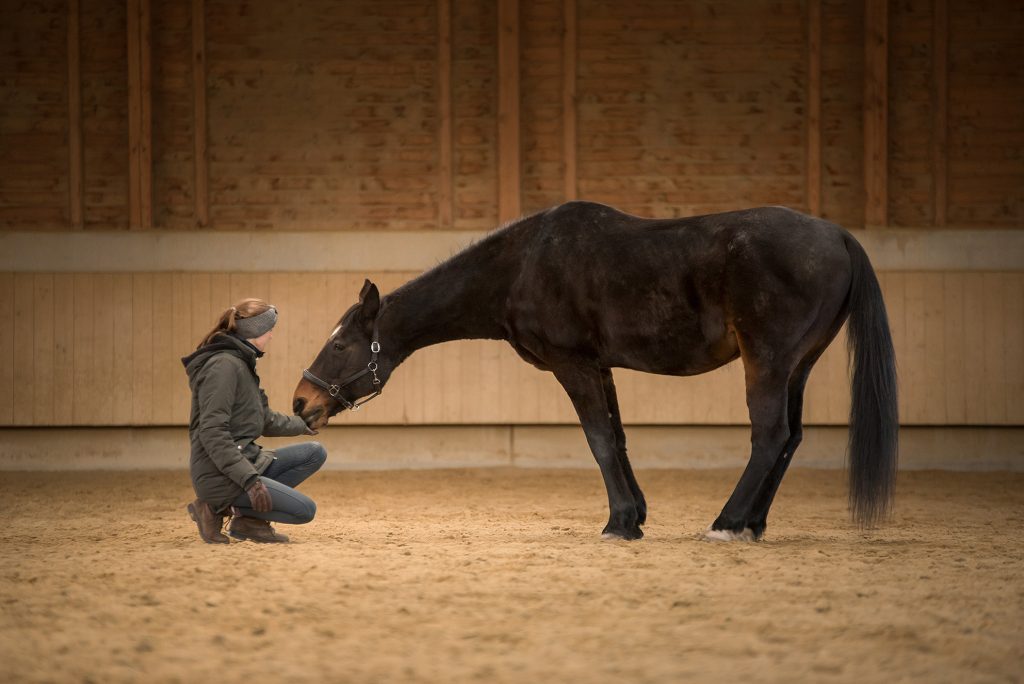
226 322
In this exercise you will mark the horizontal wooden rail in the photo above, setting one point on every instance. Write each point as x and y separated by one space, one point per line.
893 249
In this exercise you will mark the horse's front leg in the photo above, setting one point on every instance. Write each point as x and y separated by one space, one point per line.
584 386
620 439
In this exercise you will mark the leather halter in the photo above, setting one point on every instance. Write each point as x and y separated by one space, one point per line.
335 389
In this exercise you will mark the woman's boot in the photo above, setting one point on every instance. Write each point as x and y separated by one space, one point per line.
208 522
254 529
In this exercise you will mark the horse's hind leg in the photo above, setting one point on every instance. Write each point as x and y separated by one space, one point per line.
797 385
764 498
585 388
620 442
767 401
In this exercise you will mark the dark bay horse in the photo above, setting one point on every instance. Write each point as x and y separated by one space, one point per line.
581 288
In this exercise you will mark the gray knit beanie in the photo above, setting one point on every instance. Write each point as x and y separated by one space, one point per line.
255 326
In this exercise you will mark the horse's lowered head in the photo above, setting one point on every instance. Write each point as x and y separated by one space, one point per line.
350 369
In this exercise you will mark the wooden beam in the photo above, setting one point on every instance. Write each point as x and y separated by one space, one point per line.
940 122
140 144
146 130
445 191
134 113
876 112
569 99
814 107
509 177
201 181
76 163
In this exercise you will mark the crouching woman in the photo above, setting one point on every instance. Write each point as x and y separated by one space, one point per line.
231 473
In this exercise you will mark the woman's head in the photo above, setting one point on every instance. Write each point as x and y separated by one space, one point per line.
250 319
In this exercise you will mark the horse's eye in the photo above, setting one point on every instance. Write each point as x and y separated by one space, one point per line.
338 346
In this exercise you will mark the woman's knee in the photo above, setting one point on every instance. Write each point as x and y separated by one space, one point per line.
306 512
317 454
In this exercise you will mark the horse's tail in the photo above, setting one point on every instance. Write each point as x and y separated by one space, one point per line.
874 415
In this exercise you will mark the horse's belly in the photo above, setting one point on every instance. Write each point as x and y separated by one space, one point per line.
673 355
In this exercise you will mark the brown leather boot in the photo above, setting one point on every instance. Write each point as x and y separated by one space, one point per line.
255 530
208 522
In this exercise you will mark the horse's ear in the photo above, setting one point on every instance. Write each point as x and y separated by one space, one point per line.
369 299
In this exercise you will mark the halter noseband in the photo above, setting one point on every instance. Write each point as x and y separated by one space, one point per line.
335 390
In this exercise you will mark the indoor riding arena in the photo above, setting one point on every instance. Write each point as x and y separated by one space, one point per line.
162 162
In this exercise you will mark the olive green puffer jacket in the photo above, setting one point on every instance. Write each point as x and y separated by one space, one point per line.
229 412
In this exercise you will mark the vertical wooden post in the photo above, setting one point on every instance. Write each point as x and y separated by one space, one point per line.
201 190
140 131
814 107
444 112
134 113
876 112
76 172
940 123
146 137
509 180
569 99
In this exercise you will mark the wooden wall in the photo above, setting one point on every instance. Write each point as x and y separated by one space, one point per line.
103 349
388 115
404 114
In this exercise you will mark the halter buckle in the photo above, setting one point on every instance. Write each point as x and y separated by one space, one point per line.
375 347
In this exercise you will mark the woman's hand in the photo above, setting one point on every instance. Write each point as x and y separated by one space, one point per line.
259 495
311 431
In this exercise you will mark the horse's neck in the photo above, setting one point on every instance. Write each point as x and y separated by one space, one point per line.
459 300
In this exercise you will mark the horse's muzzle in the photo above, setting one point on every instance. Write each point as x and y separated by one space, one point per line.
308 404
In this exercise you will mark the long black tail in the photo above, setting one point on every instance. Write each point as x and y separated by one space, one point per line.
874 415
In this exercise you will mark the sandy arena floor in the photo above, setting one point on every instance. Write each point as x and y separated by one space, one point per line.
500 575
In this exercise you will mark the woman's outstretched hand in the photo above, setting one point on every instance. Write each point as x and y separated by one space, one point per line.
311 431
259 495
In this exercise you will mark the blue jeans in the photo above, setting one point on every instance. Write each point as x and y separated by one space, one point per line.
291 466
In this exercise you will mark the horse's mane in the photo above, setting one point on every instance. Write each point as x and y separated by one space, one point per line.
491 236
454 259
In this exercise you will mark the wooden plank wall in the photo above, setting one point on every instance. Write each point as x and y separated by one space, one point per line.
103 349
650 141
399 114
379 115
33 153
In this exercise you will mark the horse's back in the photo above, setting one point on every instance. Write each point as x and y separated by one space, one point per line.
664 295
592 234
594 221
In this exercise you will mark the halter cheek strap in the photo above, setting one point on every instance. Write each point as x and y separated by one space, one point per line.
335 389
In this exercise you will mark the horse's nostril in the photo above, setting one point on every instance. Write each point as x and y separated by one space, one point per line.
298 405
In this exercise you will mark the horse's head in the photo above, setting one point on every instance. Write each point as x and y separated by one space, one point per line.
349 370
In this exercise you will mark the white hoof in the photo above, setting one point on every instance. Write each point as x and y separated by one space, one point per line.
746 535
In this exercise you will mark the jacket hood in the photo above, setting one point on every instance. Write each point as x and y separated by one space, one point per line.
221 343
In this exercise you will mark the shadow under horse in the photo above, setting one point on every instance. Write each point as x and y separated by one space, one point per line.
582 288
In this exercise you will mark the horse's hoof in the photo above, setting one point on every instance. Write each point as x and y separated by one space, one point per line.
617 535
745 535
